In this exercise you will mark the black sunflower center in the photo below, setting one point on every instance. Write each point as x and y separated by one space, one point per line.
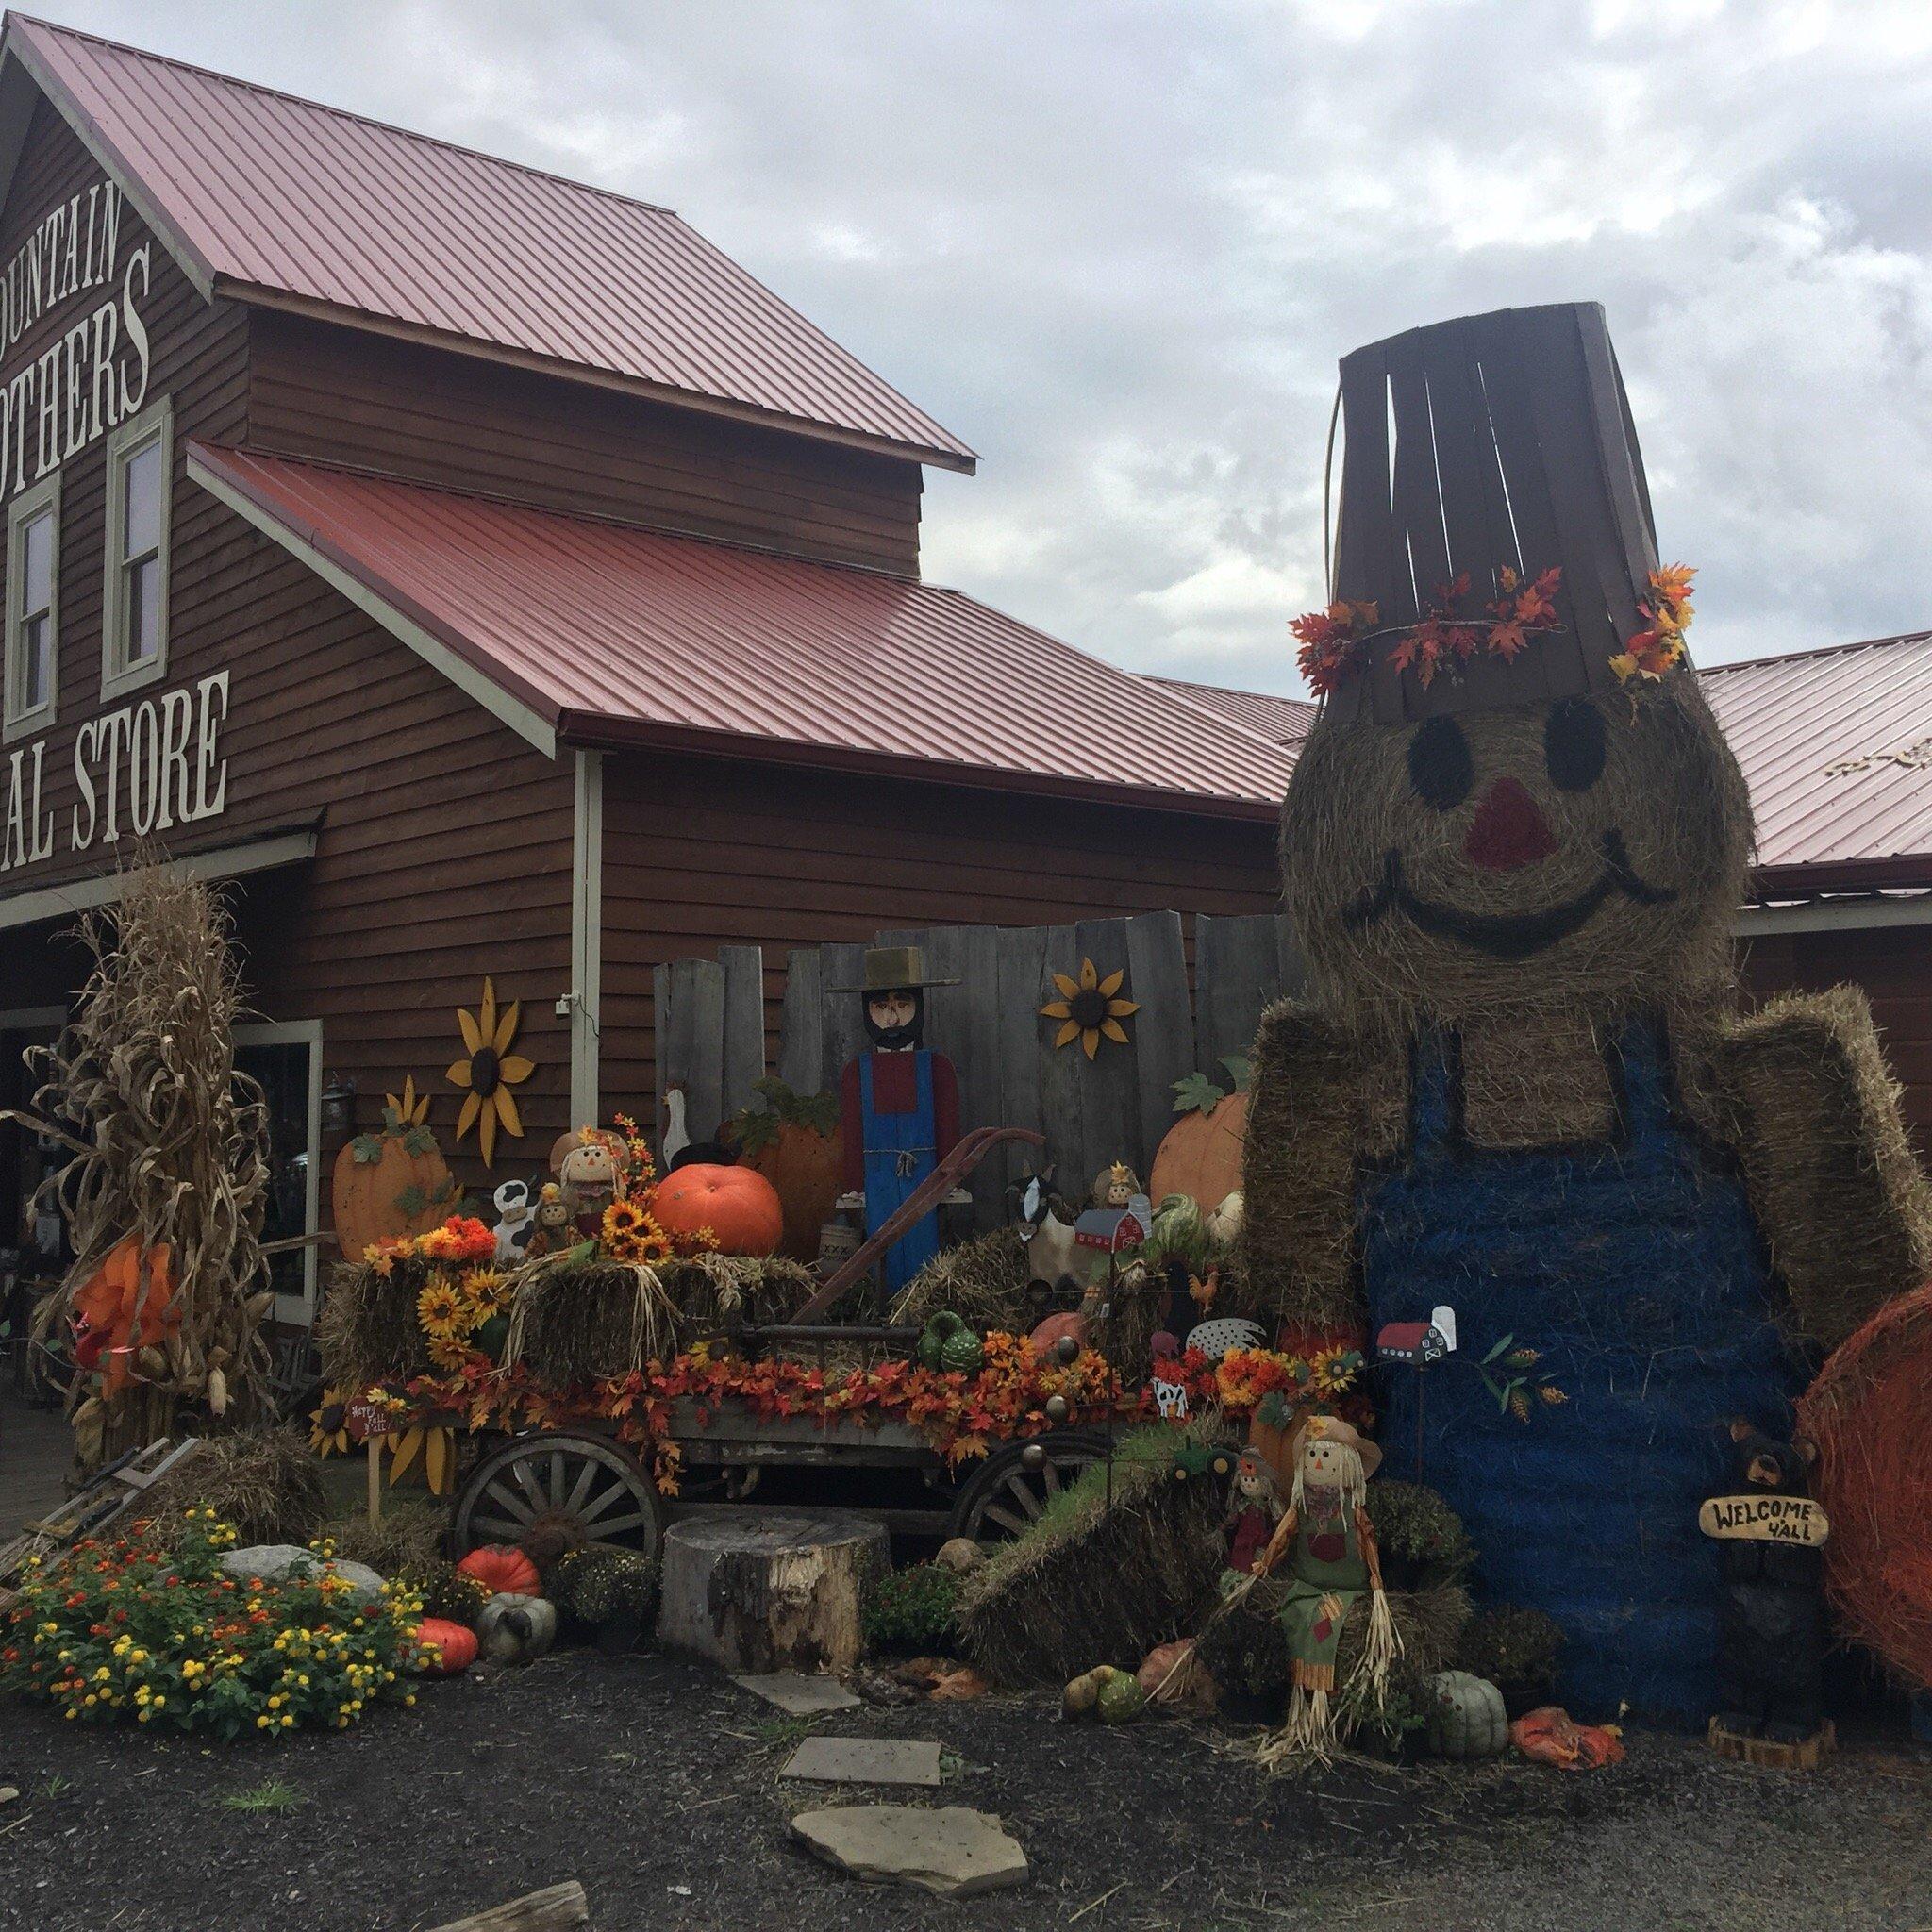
1088 1007
483 1070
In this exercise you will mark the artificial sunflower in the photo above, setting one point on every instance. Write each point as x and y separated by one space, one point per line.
1087 1009
653 1244
489 1072
623 1246
436 1443
486 1291
622 1218
328 1425
440 1310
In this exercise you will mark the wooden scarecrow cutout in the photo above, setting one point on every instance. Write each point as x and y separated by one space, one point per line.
898 1106
1520 1084
1330 1550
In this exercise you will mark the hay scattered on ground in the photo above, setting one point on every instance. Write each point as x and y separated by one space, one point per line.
983 1281
263 1481
1814 1114
1243 1649
1087 1584
406 1542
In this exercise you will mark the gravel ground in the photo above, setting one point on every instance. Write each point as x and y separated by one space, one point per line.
657 1785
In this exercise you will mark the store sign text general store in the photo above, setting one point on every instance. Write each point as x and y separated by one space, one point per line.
143 769
92 373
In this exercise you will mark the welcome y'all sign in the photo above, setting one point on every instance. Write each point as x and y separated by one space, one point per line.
1795 1520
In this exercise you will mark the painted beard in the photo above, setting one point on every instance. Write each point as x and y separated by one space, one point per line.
898 1038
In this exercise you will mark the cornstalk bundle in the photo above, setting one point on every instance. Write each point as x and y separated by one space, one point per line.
171 1148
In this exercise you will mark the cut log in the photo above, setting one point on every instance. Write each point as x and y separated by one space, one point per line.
758 1591
549 1910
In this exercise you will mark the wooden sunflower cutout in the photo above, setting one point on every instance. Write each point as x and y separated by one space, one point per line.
1087 1009
491 1071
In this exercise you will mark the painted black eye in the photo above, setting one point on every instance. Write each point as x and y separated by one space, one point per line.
1573 744
1439 766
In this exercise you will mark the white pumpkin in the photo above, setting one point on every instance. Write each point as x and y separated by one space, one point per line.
1466 1716
512 1629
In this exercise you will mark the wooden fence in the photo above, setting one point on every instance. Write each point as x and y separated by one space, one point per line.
1117 1105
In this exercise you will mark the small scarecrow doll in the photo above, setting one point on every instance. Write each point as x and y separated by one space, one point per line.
1332 1562
1255 1506
898 1106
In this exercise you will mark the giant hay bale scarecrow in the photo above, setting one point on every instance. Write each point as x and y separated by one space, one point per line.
1521 1085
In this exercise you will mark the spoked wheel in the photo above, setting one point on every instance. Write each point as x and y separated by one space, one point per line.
553 1493
1009 1492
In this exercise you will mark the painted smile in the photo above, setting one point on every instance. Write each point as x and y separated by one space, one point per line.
1507 936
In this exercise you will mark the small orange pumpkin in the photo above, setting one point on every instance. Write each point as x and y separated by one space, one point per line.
444 1646
502 1569
738 1206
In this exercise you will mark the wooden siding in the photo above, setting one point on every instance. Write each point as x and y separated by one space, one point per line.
369 401
700 853
1893 965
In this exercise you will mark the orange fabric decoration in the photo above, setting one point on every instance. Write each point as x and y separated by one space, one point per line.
1550 1736
1870 1413
126 1304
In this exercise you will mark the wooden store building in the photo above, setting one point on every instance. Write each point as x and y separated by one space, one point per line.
491 579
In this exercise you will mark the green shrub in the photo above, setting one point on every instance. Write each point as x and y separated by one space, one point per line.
1422 1540
601 1585
1403 1711
447 1591
1510 1647
125 1630
911 1609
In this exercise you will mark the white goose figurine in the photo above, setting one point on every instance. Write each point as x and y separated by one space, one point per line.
676 1136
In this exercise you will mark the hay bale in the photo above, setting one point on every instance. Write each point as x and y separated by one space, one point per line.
367 1330
1243 1650
710 1293
983 1281
1839 1193
573 1322
1087 1584
263 1481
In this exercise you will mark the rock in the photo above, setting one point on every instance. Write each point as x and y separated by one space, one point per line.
272 1562
866 1761
960 1555
7 1793
799 1696
953 1851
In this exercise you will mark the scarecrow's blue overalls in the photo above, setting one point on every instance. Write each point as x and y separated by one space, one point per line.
1634 1267
901 1149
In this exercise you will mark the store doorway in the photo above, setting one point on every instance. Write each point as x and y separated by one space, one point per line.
285 1057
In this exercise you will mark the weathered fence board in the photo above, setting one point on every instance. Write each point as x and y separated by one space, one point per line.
1242 967
802 1044
711 1019
744 1056
1162 1031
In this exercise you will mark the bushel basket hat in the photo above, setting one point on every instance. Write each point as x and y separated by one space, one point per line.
893 969
1512 494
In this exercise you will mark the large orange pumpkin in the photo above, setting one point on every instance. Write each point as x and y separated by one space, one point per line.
738 1206
392 1182
445 1647
1201 1156
502 1569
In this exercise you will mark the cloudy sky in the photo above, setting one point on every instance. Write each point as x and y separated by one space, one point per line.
1119 247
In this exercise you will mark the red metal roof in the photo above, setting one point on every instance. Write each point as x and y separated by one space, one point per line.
1837 745
1285 721
610 635
265 196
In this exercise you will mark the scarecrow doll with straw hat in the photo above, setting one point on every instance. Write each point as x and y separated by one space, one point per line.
898 1106
1520 1084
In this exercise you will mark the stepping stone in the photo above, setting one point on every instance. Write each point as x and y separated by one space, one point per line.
866 1761
953 1851
798 1696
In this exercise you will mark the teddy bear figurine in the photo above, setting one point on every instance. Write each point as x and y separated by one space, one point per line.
1520 1081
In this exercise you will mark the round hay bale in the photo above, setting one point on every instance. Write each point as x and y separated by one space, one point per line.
1870 1413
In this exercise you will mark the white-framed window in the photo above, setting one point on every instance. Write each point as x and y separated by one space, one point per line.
285 1057
33 607
134 604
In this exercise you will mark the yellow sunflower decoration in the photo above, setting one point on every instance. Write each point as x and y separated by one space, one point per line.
329 1425
489 1072
1087 1009
436 1443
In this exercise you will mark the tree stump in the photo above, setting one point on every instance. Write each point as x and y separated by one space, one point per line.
758 1591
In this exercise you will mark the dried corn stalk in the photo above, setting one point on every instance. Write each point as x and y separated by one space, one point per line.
171 1145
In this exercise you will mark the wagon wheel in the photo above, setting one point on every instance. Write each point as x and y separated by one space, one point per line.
552 1492
1005 1495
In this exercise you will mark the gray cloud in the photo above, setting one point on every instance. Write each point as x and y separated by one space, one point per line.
1119 246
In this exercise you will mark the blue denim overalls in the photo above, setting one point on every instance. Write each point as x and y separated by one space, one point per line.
900 1152
1635 1269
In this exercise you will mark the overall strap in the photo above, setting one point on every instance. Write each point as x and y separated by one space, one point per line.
1432 1099
1647 1083
865 1084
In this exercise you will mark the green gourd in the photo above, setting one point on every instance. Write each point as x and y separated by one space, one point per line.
963 1353
1466 1716
1121 1700
933 1338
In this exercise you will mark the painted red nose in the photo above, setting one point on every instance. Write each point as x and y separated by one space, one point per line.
1507 830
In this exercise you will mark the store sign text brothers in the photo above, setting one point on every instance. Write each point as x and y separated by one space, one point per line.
155 764
147 768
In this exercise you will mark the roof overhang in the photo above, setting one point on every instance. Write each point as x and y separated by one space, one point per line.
72 897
